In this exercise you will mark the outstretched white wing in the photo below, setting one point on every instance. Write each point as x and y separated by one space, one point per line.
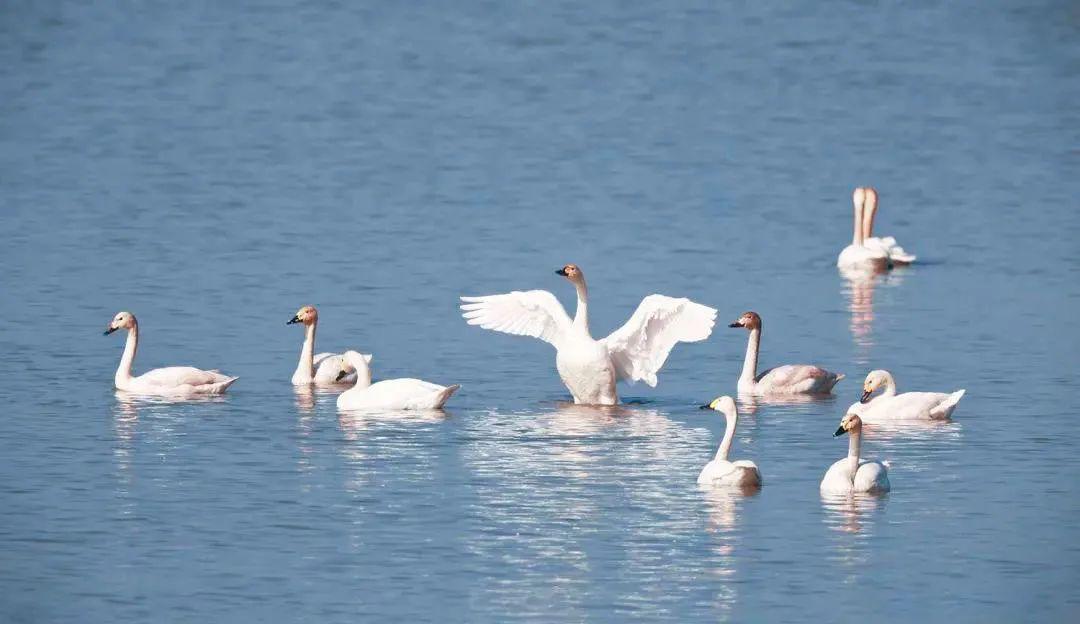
641 346
535 313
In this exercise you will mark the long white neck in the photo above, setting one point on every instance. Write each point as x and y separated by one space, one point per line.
581 317
305 368
123 372
854 443
890 386
869 210
857 200
729 434
363 374
749 366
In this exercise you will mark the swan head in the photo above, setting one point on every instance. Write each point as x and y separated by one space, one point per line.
572 273
122 320
749 320
724 404
850 422
307 315
874 380
353 361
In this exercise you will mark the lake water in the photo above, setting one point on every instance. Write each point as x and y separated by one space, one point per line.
212 169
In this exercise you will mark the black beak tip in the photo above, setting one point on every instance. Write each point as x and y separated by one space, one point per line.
734 325
561 272
341 375
706 406
839 432
108 331
865 397
292 320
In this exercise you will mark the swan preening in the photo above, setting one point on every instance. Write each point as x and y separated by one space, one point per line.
889 405
867 252
853 474
788 379
723 473
171 381
323 369
589 368
390 394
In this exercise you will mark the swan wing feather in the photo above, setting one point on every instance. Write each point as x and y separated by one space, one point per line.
641 346
535 313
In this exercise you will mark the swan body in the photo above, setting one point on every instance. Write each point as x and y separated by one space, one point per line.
788 379
590 368
867 252
390 394
853 474
169 381
323 369
890 406
720 472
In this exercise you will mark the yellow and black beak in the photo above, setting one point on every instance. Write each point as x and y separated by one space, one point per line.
109 330
341 375
561 272
293 320
839 431
866 396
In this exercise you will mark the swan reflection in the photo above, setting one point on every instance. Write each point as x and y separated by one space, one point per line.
858 289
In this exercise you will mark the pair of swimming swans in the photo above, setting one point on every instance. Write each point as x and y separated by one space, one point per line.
889 406
351 367
588 367
867 252
848 475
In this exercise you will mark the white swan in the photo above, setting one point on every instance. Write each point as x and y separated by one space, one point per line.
721 472
852 474
323 369
889 405
589 368
857 256
390 394
171 381
788 379
887 244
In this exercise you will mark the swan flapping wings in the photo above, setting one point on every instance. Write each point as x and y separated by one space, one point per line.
641 346
535 313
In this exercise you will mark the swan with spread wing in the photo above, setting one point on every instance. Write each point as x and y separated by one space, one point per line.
588 367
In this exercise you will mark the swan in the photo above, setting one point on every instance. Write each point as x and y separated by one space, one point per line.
852 474
171 381
323 369
589 368
721 472
907 406
389 394
789 379
858 256
887 245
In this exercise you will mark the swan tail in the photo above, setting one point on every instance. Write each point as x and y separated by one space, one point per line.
221 387
444 395
946 407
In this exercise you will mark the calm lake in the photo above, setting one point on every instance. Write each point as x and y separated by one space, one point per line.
214 168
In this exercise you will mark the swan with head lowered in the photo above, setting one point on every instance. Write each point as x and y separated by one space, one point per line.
323 369
723 473
788 379
890 406
171 381
389 394
588 367
853 474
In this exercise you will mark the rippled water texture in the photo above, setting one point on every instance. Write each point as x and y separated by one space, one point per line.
213 168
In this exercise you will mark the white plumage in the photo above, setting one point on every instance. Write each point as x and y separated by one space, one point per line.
854 474
720 472
789 379
590 368
323 369
890 406
390 394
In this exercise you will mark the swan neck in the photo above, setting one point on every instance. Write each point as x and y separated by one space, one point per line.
305 368
854 444
857 238
749 367
890 386
131 345
729 435
869 210
581 317
363 374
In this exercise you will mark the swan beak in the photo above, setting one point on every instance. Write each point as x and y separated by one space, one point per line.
293 320
839 431
109 331
866 396
706 406
561 272
735 324
341 375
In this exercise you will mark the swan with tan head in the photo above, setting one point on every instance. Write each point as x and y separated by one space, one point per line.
787 379
588 367
323 369
723 473
885 244
389 394
853 474
890 406
857 256
171 381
